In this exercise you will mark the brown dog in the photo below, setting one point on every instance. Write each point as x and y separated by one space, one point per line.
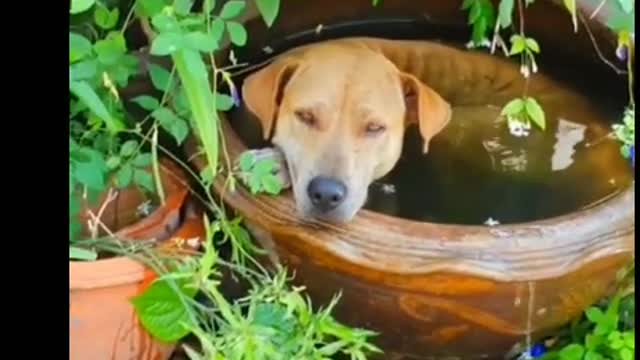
338 110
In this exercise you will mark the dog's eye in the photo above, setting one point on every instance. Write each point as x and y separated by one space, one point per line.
374 128
306 117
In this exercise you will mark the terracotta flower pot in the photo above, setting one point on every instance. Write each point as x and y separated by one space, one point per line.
102 322
442 291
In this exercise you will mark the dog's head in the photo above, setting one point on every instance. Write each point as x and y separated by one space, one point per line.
339 114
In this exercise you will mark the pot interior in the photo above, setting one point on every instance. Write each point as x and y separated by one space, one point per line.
476 171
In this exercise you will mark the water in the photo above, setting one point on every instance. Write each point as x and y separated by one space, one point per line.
476 172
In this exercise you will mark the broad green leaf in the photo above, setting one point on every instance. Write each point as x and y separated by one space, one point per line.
106 19
535 112
172 123
149 8
146 102
532 45
166 44
142 160
83 70
111 49
143 179
505 12
124 176
594 314
78 6
90 173
271 184
513 107
592 355
627 5
269 10
571 7
113 162
85 93
79 47
76 253
572 352
263 167
246 161
182 7
162 310
165 23
223 102
128 148
518 45
200 41
237 33
626 354
217 29
231 9
160 77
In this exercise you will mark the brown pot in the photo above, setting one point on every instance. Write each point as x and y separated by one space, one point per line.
102 322
443 291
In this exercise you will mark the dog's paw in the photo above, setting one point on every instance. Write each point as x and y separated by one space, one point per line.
251 162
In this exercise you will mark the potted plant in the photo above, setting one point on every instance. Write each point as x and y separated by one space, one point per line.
120 187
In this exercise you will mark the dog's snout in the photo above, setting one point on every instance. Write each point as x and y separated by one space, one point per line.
326 193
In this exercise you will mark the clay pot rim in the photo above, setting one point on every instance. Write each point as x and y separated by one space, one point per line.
118 270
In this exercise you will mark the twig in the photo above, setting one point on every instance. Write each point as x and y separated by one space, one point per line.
597 9
596 47
95 219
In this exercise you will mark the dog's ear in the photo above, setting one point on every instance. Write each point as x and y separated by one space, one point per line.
262 91
424 107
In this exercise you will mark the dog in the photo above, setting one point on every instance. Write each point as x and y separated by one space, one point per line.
338 110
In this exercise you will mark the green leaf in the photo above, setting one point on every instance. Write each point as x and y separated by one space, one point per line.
232 9
532 45
146 102
209 5
594 314
128 148
149 8
627 5
104 18
124 176
593 341
83 70
269 10
571 7
237 33
78 6
79 47
592 355
172 123
216 29
518 45
160 77
111 49
143 179
200 41
166 44
162 311
626 354
90 173
165 23
263 167
572 352
182 7
76 253
142 160
113 162
223 102
535 112
85 93
271 184
513 108
246 161
505 12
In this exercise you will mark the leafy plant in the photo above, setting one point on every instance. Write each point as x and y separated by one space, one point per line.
259 175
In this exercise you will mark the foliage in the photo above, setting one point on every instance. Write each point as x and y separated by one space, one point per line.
606 331
259 174
625 133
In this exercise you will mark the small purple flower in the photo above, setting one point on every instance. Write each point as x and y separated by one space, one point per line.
235 95
537 350
632 153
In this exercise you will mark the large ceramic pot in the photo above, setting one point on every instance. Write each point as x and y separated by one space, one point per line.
432 290
102 321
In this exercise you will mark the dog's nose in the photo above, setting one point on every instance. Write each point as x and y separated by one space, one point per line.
326 193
